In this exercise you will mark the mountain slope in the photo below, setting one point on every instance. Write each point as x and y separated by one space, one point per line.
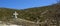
32 14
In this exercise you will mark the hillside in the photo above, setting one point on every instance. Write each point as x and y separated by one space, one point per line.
32 14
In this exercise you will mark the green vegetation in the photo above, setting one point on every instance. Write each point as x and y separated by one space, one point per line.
31 13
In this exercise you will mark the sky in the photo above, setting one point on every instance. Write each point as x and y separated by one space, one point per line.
23 4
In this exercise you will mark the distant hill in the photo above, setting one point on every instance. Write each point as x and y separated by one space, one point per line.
31 13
